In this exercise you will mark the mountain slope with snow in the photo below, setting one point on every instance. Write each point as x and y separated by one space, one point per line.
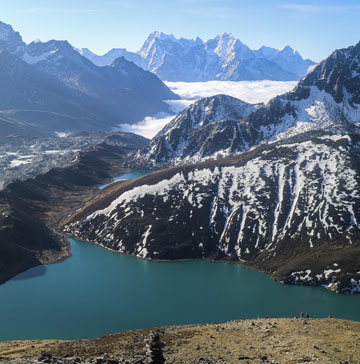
288 204
207 128
291 209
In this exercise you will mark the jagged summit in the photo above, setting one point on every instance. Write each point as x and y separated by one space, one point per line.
10 40
339 75
288 49
162 36
225 38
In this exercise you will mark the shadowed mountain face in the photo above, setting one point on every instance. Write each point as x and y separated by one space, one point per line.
33 100
221 58
220 126
290 205
47 87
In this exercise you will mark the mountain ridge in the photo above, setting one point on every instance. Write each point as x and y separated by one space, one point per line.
221 58
197 133
60 90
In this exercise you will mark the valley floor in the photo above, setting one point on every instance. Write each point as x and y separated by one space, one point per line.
282 341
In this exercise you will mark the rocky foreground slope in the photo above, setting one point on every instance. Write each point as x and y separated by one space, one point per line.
275 341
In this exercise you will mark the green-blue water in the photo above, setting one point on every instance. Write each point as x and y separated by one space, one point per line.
96 292
133 174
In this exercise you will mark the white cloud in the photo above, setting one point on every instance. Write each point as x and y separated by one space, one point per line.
149 126
179 105
249 91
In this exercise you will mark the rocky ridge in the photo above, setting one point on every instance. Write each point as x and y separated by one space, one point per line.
290 208
207 128
288 204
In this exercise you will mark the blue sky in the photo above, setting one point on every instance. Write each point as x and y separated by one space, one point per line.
314 27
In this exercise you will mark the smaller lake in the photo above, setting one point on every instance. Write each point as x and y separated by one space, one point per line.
131 175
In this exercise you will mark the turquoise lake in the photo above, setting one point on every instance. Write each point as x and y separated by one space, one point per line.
97 292
131 175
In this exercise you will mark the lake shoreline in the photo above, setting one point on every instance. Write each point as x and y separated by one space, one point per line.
239 263
97 292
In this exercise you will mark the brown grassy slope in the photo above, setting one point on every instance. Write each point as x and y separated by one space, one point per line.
282 341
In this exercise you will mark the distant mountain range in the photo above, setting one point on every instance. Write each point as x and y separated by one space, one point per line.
286 199
221 58
221 125
47 87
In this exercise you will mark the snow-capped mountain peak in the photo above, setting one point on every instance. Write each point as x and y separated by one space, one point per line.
223 57
226 43
328 97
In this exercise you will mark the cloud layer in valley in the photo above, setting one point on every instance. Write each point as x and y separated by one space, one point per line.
249 91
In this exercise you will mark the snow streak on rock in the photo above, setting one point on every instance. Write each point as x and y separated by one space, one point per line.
299 193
